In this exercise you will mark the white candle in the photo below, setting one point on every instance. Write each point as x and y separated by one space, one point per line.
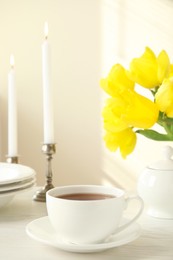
47 91
12 111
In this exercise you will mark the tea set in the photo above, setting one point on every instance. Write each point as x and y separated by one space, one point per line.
86 218
91 218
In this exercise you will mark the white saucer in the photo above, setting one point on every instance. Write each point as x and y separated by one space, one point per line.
42 231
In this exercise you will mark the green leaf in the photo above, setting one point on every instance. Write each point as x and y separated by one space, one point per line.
151 134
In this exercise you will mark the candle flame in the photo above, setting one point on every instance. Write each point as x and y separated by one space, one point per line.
12 61
46 29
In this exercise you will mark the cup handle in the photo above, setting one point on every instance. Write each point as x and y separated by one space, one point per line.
124 226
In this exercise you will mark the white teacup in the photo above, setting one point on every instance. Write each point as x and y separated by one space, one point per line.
85 214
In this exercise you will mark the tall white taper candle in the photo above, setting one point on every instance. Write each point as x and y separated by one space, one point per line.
47 91
12 112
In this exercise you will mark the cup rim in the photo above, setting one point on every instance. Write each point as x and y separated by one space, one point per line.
69 189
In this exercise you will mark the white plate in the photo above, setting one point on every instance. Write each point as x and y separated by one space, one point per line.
16 182
6 197
9 192
17 185
11 173
42 231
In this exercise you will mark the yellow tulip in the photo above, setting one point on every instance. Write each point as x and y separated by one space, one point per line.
129 110
112 112
128 113
164 97
116 81
141 112
124 140
149 70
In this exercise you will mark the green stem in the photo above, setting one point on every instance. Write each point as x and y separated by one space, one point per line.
152 134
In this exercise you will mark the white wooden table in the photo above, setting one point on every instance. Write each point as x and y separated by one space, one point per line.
156 241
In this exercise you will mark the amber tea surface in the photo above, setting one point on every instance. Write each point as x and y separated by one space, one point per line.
86 196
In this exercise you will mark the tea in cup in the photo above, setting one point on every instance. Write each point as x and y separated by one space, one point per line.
85 214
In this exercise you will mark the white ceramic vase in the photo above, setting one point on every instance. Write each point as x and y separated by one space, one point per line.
155 186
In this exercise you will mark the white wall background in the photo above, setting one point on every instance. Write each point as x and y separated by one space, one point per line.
87 37
129 26
74 35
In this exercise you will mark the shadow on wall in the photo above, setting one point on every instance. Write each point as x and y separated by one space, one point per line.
116 173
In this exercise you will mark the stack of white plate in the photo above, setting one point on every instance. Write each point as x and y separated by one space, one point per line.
14 178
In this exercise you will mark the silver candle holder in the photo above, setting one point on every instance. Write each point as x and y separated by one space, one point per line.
12 159
48 150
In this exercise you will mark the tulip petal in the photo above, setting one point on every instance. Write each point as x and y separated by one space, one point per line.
141 112
163 66
144 69
164 97
116 81
112 115
124 140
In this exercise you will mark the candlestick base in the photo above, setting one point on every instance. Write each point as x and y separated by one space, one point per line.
12 159
48 150
40 195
